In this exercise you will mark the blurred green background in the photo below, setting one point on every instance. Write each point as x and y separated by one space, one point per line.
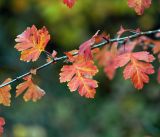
118 110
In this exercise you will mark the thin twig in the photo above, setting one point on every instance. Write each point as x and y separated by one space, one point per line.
93 47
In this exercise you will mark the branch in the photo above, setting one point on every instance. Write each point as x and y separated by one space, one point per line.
93 47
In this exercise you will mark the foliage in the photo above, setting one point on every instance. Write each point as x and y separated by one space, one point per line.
79 73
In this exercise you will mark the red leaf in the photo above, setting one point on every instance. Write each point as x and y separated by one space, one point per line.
33 92
121 31
139 5
156 48
136 70
2 123
85 48
105 58
79 77
5 96
32 42
127 47
158 35
69 3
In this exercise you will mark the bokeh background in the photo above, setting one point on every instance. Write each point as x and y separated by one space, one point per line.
118 110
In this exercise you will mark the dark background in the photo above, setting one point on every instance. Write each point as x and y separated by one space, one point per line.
118 109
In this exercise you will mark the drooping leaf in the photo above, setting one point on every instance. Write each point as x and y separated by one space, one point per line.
85 48
127 47
137 67
32 42
5 96
2 123
139 5
79 76
33 92
69 3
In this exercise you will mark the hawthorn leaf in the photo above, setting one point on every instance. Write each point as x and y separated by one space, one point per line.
121 31
137 68
2 123
69 3
5 96
105 59
32 42
139 5
85 48
156 48
79 76
158 35
127 47
33 92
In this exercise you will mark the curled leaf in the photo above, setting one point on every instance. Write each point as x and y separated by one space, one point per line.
85 48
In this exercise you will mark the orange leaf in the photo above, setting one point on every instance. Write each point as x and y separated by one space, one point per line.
31 43
33 92
156 48
105 58
69 3
2 123
5 96
79 77
135 69
139 5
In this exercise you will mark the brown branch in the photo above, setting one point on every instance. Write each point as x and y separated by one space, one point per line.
93 47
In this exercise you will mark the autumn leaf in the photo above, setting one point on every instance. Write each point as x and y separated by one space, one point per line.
127 47
137 67
79 76
85 48
105 59
122 30
2 123
32 42
156 48
69 3
33 92
157 35
5 96
139 5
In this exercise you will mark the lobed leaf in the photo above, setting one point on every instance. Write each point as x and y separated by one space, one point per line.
32 42
139 5
79 76
33 92
5 96
137 68
106 57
